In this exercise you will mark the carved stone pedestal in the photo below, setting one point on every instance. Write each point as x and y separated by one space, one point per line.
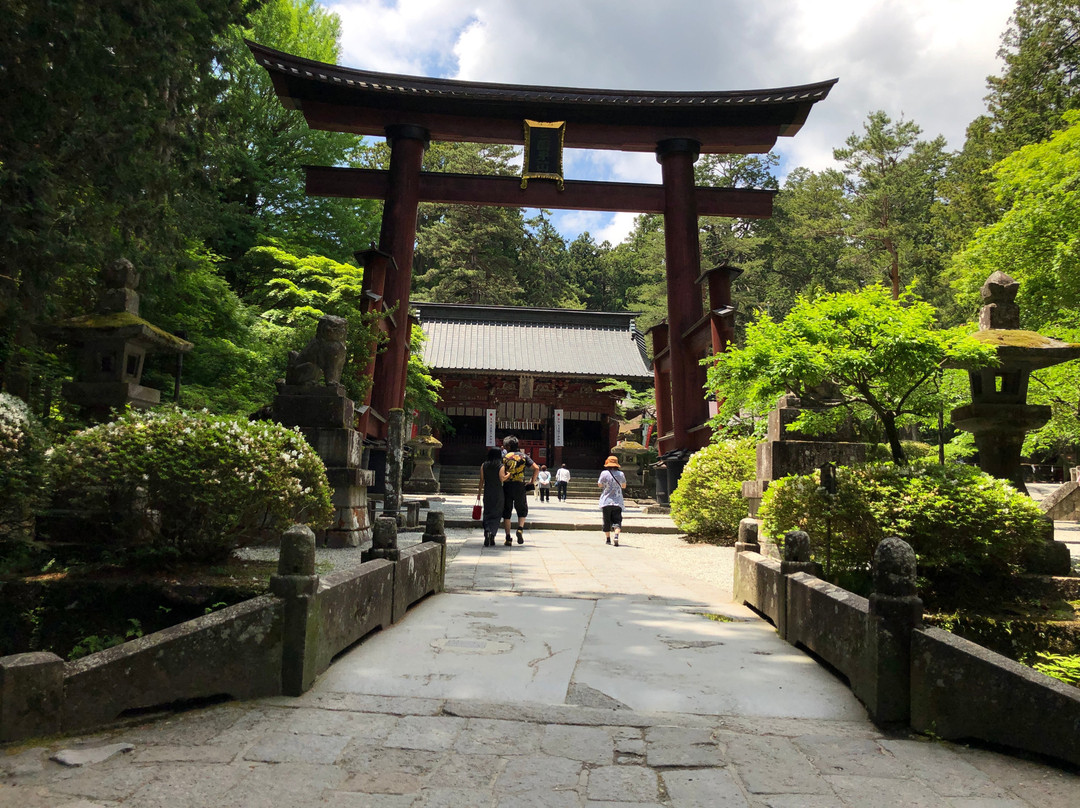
324 415
786 452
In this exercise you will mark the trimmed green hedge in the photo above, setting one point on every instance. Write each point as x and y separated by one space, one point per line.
708 503
956 517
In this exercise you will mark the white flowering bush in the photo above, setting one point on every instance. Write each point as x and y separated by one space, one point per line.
22 467
191 486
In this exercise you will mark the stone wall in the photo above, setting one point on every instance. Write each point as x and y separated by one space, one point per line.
270 645
352 604
905 674
961 690
759 583
832 623
1063 505
235 652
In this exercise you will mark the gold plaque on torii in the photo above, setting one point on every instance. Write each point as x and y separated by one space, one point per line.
543 152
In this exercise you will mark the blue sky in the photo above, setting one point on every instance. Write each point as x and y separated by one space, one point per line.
921 60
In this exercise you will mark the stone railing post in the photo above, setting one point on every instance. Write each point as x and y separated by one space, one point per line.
895 611
31 695
296 583
748 536
435 531
796 559
384 540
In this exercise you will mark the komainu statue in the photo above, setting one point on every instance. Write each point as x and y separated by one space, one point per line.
324 354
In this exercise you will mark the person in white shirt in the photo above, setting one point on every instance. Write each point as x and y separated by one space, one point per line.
612 482
562 477
543 484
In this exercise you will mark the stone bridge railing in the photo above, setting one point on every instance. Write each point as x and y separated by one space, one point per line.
903 672
267 646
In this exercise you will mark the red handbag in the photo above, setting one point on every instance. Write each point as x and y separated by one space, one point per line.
477 509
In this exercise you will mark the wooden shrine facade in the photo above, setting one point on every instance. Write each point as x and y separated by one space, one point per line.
529 368
677 127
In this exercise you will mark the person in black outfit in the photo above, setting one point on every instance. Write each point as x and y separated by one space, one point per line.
492 477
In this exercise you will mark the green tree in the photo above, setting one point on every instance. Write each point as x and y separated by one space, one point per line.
1041 78
1037 239
881 355
585 259
1059 388
103 145
293 292
639 262
969 201
728 240
422 388
261 148
890 187
545 268
469 253
801 247
1038 83
236 357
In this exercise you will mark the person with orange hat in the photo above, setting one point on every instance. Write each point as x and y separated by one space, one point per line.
612 482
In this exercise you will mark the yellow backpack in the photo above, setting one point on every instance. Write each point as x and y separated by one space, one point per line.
514 463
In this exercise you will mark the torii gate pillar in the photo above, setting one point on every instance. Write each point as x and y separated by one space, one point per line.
397 238
687 407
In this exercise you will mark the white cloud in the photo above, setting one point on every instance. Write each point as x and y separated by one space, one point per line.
925 60
620 226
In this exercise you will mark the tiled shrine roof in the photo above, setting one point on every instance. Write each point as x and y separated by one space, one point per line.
548 342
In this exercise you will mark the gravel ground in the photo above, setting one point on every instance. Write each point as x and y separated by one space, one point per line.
704 562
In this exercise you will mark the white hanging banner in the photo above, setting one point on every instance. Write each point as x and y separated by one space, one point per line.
558 428
490 417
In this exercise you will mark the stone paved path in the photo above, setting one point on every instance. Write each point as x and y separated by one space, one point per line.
556 673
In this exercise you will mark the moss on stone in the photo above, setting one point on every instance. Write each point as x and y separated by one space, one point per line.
1016 338
124 319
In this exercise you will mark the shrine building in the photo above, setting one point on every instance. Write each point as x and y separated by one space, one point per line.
533 373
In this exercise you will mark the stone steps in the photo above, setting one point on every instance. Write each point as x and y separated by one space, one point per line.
465 480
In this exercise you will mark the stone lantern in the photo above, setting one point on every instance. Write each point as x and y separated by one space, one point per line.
112 345
628 452
999 415
422 480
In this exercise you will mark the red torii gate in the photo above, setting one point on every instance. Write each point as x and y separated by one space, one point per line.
410 111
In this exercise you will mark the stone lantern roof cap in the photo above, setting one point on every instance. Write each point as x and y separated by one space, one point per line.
1027 349
118 324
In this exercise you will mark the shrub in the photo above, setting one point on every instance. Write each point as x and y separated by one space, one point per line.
914 451
22 467
708 502
191 486
955 517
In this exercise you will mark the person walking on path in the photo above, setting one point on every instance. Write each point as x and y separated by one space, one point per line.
562 478
612 482
543 484
492 477
514 496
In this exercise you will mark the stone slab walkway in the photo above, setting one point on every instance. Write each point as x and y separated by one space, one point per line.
561 672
